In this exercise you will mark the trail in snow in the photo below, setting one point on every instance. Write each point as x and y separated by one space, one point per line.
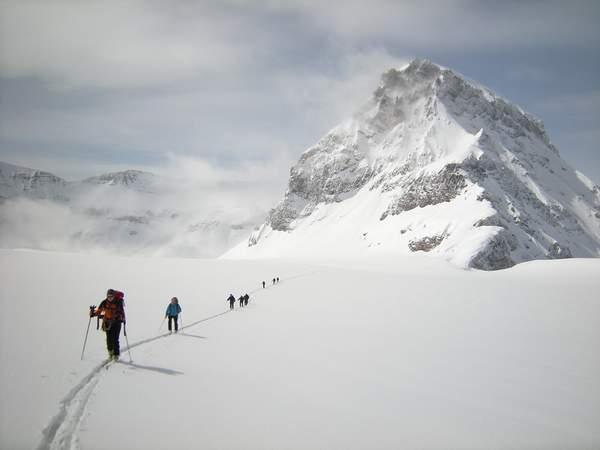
61 432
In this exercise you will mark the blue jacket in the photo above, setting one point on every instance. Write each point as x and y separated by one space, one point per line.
173 309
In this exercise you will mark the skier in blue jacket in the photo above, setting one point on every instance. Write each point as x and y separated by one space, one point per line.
173 311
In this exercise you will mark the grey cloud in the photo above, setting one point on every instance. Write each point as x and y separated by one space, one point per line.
586 103
455 24
135 43
113 44
221 120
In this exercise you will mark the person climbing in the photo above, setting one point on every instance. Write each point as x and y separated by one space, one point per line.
112 312
231 300
173 310
241 299
263 284
246 298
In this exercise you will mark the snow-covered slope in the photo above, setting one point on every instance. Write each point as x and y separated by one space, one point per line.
16 181
435 163
130 212
345 357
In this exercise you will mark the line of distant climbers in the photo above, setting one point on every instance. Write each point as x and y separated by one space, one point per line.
112 312
275 280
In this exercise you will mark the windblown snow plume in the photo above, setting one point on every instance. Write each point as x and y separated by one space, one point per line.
434 163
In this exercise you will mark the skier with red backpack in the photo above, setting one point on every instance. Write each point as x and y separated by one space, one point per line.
112 312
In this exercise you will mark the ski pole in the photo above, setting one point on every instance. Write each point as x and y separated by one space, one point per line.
87 331
162 323
180 322
127 340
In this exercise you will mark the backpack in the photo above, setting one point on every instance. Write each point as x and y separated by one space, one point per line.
115 310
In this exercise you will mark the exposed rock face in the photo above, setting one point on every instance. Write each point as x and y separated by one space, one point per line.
557 252
495 255
432 154
426 244
428 190
286 212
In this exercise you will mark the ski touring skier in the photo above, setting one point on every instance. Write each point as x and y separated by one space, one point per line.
277 280
263 284
112 312
173 311
231 300
241 300
273 280
246 298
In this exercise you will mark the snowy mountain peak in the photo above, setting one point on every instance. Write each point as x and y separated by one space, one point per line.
17 180
418 71
133 179
434 162
422 79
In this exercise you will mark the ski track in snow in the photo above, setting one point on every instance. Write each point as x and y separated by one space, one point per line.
62 431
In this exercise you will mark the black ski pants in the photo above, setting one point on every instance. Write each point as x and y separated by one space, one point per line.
113 330
231 303
173 318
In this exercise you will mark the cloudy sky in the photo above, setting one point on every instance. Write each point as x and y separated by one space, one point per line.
233 86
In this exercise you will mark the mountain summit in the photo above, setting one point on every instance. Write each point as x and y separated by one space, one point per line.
132 179
434 163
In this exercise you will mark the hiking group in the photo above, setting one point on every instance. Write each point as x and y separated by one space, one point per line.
243 299
275 281
112 312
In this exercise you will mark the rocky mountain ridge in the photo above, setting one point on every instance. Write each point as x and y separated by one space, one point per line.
451 168
17 180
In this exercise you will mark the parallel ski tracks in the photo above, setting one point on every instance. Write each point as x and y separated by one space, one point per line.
61 432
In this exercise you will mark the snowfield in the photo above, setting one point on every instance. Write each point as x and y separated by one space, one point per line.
382 353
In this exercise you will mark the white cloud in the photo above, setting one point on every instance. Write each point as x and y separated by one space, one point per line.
326 99
112 43
194 208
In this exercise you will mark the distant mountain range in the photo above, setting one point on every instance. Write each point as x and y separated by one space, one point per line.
433 162
129 212
22 181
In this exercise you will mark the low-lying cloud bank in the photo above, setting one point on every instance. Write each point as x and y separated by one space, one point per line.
190 209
